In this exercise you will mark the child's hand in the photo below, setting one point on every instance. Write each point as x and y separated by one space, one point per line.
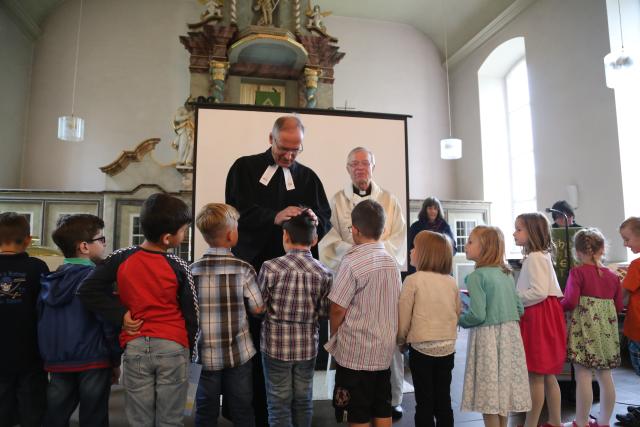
115 375
129 325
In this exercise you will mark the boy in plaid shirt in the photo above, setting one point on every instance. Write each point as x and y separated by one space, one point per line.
294 288
223 282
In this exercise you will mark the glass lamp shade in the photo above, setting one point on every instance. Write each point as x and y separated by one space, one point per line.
70 128
451 149
621 68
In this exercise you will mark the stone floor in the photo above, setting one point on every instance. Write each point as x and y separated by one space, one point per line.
627 388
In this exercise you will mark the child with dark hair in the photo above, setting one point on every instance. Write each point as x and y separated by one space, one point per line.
364 321
294 288
23 382
80 351
157 307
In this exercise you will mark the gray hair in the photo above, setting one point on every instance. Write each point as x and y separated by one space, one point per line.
357 149
284 121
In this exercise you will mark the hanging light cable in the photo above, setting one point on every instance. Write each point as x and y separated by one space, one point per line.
71 128
450 148
621 67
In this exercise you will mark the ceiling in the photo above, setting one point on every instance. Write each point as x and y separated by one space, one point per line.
464 18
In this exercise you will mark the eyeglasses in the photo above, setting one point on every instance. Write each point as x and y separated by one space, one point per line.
288 150
356 163
101 239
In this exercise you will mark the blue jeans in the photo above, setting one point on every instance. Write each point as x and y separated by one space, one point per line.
289 391
90 389
237 386
155 381
23 398
634 355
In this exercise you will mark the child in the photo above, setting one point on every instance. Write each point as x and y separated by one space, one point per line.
594 296
542 326
364 321
157 307
630 232
428 312
23 382
80 352
226 349
495 377
294 288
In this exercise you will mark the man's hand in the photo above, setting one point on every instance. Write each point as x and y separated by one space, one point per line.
286 214
115 375
129 325
291 211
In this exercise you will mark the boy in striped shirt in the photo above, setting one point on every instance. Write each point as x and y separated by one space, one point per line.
295 288
364 321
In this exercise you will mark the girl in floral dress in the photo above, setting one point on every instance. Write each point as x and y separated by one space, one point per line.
594 296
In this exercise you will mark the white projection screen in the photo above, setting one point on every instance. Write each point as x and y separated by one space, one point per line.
224 133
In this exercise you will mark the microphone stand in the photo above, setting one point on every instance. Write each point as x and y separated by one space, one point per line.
568 253
566 235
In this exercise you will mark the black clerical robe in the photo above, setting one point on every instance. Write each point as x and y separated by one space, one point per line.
259 238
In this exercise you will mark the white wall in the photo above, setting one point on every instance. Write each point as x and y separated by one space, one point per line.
573 114
16 50
394 68
133 75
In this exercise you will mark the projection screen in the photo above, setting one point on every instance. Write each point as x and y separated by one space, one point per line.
224 133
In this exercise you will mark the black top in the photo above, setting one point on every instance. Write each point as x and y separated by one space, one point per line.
259 238
554 225
438 226
19 288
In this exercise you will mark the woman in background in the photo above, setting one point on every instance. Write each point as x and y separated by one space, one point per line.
430 218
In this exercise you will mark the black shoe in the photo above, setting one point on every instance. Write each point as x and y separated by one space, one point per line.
630 419
396 412
633 408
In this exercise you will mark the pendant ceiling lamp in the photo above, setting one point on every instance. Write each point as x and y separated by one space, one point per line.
621 67
71 128
450 148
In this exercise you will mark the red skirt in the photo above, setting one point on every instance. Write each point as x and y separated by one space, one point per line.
544 335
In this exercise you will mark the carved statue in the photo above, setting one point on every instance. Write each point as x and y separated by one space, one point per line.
213 9
184 127
266 8
314 23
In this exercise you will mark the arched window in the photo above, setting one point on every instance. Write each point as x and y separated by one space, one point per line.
507 142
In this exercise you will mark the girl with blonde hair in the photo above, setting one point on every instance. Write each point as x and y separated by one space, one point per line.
495 378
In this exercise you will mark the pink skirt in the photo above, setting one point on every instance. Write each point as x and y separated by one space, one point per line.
544 335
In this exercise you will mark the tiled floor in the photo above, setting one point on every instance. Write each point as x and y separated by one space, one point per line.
627 388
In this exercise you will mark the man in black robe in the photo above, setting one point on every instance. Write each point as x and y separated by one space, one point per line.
268 189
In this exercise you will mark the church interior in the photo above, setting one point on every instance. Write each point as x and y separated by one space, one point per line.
535 111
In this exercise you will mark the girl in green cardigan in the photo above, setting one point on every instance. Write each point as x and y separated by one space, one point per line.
494 336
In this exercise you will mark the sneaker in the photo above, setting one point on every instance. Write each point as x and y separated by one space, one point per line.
396 412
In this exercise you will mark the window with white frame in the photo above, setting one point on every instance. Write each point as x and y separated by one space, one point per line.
463 230
135 235
523 172
507 139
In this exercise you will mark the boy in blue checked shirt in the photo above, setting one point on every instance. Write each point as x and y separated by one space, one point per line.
223 282
294 288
